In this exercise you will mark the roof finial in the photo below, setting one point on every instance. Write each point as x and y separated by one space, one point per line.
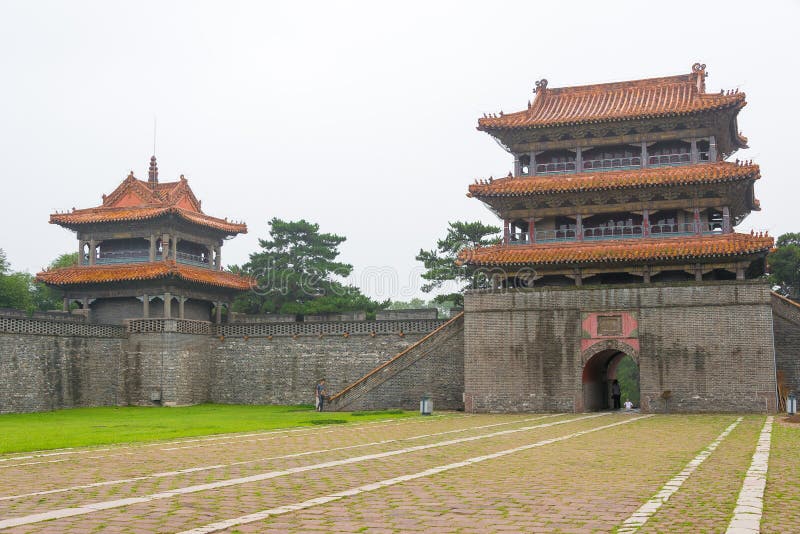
152 174
699 70
541 86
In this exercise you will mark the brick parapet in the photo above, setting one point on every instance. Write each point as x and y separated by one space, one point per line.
786 308
409 326
49 327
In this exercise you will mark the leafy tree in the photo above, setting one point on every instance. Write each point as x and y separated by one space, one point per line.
48 298
19 289
297 273
440 263
784 264
14 287
15 291
68 259
413 304
628 376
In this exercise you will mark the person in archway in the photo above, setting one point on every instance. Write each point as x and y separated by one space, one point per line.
616 393
321 392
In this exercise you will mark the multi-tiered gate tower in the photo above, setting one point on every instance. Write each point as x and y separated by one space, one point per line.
619 239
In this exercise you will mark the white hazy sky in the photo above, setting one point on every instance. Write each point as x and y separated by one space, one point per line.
360 116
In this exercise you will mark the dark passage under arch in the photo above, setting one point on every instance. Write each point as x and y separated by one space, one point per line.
598 373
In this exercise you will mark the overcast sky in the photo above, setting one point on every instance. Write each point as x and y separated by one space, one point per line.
359 116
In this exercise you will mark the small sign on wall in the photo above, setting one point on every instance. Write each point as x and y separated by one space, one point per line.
609 325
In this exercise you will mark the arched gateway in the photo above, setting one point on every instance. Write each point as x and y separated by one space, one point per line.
600 363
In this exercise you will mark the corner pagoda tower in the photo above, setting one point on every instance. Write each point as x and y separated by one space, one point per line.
623 192
148 251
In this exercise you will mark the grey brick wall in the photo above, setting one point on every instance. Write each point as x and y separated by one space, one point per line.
197 309
40 373
115 311
709 344
284 370
786 318
433 367
168 368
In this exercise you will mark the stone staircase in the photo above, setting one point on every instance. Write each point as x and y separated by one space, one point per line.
432 366
786 329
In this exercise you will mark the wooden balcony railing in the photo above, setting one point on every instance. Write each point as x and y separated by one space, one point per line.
626 231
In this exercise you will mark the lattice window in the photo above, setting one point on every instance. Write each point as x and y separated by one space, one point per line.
19 325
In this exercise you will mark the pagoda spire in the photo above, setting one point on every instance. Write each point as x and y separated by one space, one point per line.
152 174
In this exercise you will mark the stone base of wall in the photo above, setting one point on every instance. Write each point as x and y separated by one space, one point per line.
708 347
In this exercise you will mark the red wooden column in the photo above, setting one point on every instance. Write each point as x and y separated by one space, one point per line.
506 231
579 227
726 220
531 231
697 229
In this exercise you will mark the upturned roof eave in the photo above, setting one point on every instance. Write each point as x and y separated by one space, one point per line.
623 178
482 127
206 221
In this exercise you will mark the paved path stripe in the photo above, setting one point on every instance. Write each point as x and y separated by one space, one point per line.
45 455
293 455
750 505
258 516
648 509
136 446
335 428
23 464
118 503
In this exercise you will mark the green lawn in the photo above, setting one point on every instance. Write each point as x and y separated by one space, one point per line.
80 427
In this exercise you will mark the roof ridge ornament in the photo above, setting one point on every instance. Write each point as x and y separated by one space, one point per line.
541 86
152 173
699 70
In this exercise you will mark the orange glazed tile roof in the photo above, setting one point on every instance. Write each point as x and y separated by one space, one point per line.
701 173
102 274
618 251
101 214
638 99
135 200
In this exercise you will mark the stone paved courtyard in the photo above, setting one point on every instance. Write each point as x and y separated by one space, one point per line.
446 473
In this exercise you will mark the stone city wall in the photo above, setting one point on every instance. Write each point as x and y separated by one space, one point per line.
285 369
47 364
